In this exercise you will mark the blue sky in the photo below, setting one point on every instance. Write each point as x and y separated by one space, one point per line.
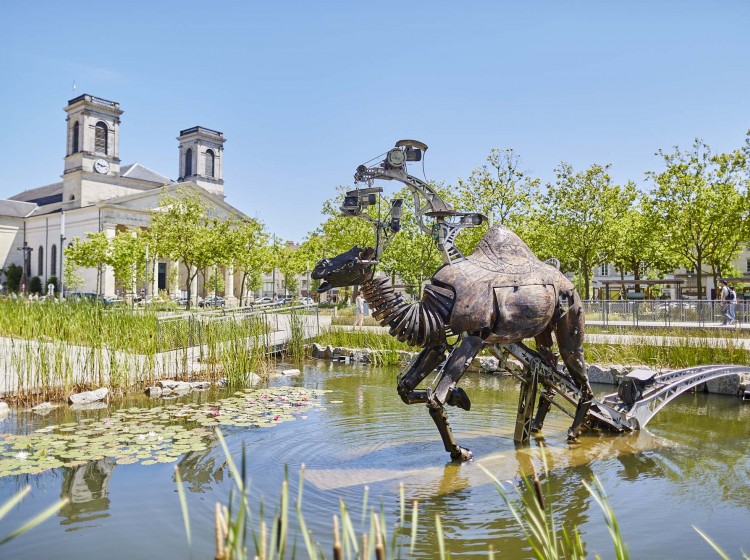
305 91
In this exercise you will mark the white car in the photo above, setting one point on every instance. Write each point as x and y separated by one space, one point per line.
307 301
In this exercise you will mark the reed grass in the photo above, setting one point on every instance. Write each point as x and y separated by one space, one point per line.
55 348
529 503
8 505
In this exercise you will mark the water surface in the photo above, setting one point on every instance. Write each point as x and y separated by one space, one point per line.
690 467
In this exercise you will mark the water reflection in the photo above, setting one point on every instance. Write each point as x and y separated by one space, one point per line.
87 489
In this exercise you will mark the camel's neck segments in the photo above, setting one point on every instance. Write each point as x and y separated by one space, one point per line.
419 324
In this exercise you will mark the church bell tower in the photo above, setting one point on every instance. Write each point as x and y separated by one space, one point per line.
92 155
201 158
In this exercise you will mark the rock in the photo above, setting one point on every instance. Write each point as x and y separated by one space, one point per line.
328 352
42 406
728 385
602 374
290 372
153 392
223 381
487 364
89 396
200 385
318 350
250 379
362 356
89 406
4 408
171 386
405 357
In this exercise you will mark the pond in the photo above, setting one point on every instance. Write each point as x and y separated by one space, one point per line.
690 468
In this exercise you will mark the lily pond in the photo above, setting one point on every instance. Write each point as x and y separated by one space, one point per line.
359 443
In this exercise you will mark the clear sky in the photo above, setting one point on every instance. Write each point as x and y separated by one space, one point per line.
305 91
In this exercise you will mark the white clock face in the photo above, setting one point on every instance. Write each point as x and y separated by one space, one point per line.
101 166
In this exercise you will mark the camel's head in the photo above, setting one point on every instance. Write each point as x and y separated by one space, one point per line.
350 268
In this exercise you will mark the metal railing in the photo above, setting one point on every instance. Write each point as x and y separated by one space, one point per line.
191 324
668 313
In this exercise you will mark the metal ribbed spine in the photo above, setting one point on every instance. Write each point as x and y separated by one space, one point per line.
419 324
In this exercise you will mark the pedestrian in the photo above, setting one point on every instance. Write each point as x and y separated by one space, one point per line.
359 309
724 299
732 306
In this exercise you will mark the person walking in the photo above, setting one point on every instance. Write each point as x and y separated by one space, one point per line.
723 302
731 306
359 309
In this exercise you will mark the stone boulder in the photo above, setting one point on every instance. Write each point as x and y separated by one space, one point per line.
728 385
317 350
89 396
290 372
200 385
169 386
154 392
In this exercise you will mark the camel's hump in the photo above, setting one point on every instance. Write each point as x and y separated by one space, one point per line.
503 252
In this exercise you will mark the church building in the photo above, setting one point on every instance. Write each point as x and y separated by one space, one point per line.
98 193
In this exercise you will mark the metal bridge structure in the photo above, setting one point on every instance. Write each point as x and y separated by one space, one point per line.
641 395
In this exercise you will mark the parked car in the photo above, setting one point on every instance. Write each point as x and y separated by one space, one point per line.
114 300
307 301
264 301
212 301
181 301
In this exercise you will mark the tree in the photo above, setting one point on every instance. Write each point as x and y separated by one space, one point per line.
182 228
579 212
699 207
93 252
249 251
634 245
498 189
13 273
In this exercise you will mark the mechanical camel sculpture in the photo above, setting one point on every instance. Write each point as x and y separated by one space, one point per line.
499 295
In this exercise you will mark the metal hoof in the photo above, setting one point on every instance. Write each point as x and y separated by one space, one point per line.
462 455
459 398
572 438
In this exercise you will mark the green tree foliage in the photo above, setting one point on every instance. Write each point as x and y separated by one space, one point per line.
699 205
577 216
35 285
636 247
249 249
92 252
500 190
185 231
13 273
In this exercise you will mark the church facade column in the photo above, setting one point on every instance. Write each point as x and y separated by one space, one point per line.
229 286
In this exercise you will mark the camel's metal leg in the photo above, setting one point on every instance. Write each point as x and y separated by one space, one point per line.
446 392
526 399
544 347
545 403
569 332
425 362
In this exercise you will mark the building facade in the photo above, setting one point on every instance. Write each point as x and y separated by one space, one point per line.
97 193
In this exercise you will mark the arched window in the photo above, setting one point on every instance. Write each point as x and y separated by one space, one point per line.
209 163
53 260
188 162
101 138
40 262
76 134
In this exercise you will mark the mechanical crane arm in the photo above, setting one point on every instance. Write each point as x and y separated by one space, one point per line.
427 202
